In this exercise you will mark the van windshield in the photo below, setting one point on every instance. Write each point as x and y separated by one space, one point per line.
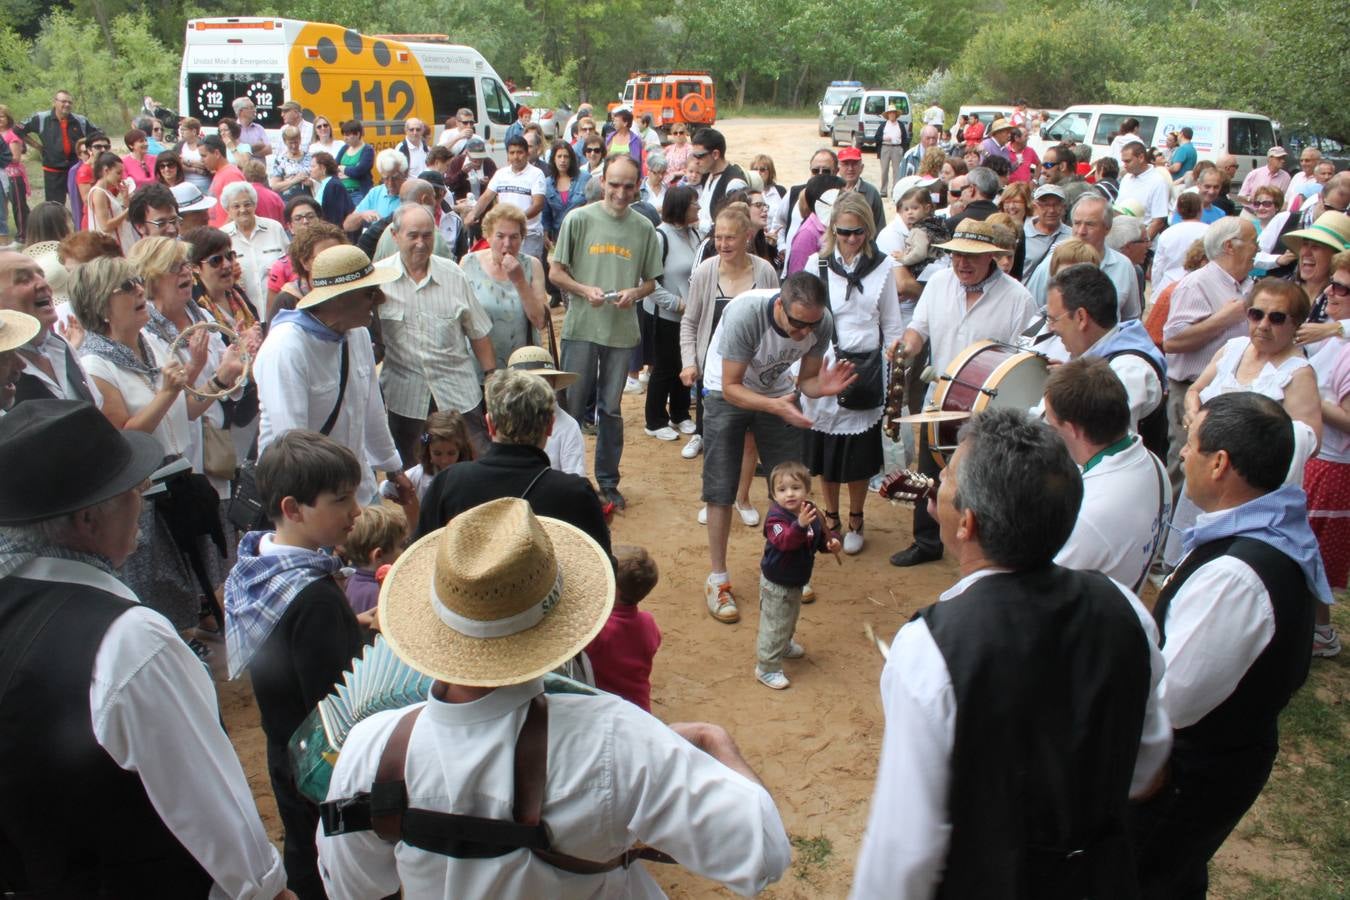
835 96
1069 127
211 96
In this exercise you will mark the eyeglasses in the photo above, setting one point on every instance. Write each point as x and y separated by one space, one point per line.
220 259
1276 318
849 232
1337 289
130 285
822 170
759 204
160 223
1050 320
679 132
298 218
466 121
101 148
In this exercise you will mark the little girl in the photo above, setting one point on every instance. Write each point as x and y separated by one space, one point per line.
445 441
794 534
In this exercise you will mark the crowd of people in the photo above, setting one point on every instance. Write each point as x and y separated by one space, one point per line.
305 388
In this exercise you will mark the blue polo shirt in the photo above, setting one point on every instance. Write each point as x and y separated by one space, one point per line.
1184 154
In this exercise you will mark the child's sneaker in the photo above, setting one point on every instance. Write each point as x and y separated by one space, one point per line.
808 594
776 680
794 651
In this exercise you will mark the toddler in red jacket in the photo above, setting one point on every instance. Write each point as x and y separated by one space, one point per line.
621 654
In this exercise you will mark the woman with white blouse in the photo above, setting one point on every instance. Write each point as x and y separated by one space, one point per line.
844 445
259 242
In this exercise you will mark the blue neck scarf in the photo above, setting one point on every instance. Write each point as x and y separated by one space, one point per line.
308 324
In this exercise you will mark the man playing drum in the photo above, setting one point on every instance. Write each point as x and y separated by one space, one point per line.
973 300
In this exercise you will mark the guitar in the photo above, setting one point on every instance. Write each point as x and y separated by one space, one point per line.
905 486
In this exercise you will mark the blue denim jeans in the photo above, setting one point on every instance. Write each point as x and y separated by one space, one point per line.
610 365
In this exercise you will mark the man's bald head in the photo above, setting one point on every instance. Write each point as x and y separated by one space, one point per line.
928 136
415 190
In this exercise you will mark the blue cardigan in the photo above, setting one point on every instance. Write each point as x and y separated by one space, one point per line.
554 208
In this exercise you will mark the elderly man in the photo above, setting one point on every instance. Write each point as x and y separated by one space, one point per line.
1183 158
1209 185
850 169
979 189
606 259
153 211
1307 164
520 420
996 138
1207 309
1024 709
383 199
1127 500
715 177
51 368
316 370
1236 623
430 319
485 618
414 146
112 718
823 162
55 132
1335 197
1081 309
292 116
892 139
929 136
1046 228
1091 223
971 301
522 185
251 133
1146 185
1272 174
216 160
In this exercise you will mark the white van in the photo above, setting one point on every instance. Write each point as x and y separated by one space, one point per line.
1245 135
835 95
860 117
339 73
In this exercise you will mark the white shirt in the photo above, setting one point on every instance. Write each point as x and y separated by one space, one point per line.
1219 622
934 115
950 325
770 362
257 253
417 158
298 377
566 448
1143 388
910 827
1152 189
1169 252
1332 365
1127 502
55 348
615 775
519 189
427 326
173 431
705 198
153 709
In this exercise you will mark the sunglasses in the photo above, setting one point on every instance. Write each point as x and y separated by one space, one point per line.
1338 289
130 285
822 170
849 232
699 154
324 125
590 150
1275 317
676 132
101 148
799 324
1263 203
220 259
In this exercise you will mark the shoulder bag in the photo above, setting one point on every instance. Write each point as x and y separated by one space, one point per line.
868 390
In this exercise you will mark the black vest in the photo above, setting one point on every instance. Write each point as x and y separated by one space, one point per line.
1249 716
724 177
1050 670
30 387
72 824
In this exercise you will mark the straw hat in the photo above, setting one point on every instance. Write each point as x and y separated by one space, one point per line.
41 248
891 109
536 361
1331 228
341 270
499 596
974 237
1000 124
16 329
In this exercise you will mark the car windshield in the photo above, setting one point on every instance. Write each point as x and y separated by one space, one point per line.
837 95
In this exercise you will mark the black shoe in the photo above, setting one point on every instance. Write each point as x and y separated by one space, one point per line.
612 495
914 555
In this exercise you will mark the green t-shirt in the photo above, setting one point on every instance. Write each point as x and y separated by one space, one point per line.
611 253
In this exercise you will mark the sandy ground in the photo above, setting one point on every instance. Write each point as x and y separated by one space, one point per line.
815 745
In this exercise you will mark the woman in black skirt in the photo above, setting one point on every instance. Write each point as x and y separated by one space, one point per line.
844 445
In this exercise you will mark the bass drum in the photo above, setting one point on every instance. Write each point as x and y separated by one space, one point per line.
985 375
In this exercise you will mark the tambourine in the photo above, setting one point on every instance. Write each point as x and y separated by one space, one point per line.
244 357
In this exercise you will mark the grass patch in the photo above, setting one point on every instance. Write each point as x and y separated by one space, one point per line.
813 854
1306 803
728 110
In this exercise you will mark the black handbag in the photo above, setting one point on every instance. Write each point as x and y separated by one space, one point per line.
246 511
868 390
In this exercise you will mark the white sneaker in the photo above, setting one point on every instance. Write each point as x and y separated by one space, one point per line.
703 515
721 602
794 651
808 593
645 376
749 515
853 542
693 448
632 386
776 680
663 434
688 426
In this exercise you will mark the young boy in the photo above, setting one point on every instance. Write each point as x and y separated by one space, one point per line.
286 619
621 654
794 533
375 540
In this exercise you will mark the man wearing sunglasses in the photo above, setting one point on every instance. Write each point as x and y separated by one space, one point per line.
711 173
749 388
414 146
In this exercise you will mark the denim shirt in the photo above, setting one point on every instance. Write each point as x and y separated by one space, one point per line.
554 207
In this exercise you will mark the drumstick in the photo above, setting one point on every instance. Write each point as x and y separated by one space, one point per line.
880 644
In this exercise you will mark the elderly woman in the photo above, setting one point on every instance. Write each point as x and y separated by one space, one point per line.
1326 479
289 172
1269 218
356 161
1129 237
141 392
335 203
654 185
139 164
564 189
106 207
844 443
169 169
508 283
667 405
257 242
216 288
189 151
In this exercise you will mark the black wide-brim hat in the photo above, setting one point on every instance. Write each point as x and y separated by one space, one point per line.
61 456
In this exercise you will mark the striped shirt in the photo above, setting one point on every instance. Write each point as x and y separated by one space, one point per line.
1196 297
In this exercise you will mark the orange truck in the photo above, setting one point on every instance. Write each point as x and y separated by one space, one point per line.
685 96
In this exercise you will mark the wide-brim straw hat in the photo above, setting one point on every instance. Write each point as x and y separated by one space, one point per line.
1000 124
536 361
16 329
1331 228
974 237
341 270
497 597
41 248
